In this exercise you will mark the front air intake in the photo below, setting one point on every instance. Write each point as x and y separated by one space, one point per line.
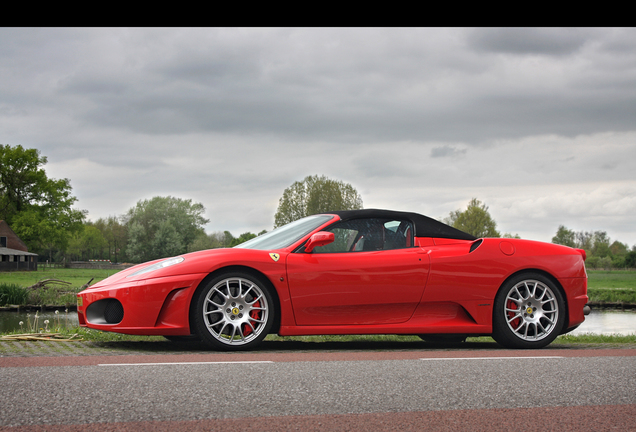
114 312
106 311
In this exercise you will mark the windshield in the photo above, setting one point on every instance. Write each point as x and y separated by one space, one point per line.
287 234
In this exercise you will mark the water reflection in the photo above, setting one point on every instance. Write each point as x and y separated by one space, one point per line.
10 321
610 322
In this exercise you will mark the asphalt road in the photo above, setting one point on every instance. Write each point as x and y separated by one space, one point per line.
408 390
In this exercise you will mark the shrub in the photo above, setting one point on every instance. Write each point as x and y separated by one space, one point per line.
618 262
12 294
605 263
592 262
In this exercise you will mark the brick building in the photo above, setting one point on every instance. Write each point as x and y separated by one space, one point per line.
14 254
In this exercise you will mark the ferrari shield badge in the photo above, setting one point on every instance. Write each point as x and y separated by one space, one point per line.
274 256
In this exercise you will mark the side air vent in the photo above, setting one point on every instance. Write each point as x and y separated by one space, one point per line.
107 311
475 245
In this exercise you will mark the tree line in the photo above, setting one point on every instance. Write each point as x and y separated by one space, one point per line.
601 252
40 211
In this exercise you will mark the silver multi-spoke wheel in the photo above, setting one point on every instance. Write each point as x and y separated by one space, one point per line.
234 311
531 310
528 312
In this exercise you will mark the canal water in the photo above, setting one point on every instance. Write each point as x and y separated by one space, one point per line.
608 322
599 322
10 320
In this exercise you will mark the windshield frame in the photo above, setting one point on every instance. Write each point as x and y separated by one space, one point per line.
289 234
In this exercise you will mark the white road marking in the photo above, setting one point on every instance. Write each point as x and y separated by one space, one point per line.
182 363
493 358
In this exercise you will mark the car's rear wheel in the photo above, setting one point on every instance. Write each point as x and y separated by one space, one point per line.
529 312
234 311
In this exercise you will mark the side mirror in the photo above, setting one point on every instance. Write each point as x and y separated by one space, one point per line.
321 238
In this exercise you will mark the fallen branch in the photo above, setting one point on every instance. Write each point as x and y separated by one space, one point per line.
46 282
58 337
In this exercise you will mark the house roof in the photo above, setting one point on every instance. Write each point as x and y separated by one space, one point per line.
12 239
8 251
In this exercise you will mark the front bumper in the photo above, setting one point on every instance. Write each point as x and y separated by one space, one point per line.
157 306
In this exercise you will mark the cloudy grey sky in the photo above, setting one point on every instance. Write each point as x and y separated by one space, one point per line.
539 124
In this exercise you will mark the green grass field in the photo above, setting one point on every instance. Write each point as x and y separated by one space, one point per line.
615 286
611 279
77 277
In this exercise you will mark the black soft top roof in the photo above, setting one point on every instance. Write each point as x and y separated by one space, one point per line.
424 225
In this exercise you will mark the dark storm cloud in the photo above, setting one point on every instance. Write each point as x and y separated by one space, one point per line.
328 84
541 41
447 151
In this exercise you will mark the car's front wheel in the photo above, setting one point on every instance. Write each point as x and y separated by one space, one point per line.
234 311
529 312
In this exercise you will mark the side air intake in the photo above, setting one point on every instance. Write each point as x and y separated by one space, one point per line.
475 245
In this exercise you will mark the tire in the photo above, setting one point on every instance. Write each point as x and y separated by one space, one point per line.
234 311
449 339
529 312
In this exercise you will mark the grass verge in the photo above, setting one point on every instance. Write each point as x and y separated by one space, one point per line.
100 336
612 295
611 279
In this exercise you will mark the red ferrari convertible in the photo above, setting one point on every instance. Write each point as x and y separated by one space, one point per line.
350 272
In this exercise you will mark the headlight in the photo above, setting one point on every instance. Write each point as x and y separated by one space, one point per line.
161 264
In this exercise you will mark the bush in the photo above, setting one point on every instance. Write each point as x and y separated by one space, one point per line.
618 262
592 262
12 294
605 263
53 295
599 263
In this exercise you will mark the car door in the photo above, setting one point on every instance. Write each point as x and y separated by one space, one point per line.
370 274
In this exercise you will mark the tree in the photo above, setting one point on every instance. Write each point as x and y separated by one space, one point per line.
565 237
116 235
163 226
618 249
475 220
584 240
38 209
86 244
600 253
315 194
245 237
601 244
